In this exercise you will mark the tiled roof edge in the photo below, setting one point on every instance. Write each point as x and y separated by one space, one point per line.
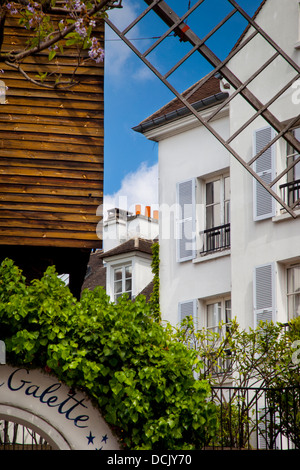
183 111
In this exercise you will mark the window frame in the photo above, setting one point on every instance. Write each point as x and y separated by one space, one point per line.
292 155
123 279
222 193
223 301
291 294
217 238
223 364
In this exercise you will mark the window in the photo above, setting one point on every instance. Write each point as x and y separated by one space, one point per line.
217 202
215 198
122 281
217 214
292 155
216 313
293 291
290 191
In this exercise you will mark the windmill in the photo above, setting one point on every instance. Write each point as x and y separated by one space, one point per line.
178 26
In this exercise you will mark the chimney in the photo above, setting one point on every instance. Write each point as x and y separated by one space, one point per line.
137 209
155 215
148 211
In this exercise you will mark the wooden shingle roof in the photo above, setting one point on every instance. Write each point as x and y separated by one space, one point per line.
132 245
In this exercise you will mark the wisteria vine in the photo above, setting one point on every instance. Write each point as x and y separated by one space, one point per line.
76 27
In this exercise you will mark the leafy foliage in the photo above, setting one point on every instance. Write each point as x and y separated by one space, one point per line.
136 370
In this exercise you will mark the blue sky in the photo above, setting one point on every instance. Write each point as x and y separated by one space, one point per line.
133 92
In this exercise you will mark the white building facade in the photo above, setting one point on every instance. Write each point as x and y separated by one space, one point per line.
194 200
240 253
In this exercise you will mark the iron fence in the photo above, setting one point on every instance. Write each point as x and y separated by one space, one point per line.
257 418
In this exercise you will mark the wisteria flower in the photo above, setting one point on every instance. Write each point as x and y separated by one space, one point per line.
80 28
96 52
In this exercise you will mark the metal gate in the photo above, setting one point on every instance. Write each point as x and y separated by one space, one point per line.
257 418
15 436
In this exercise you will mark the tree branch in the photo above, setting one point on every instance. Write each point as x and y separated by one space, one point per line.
65 85
15 57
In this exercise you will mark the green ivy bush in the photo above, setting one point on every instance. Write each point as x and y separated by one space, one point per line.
119 354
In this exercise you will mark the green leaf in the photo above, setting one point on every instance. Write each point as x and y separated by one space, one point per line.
52 54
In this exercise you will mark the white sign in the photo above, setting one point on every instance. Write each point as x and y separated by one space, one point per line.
66 419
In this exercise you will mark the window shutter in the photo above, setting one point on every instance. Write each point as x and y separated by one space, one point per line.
264 166
264 293
185 220
187 309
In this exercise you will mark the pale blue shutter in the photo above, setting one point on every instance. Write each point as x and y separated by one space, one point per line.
187 309
264 166
185 220
264 293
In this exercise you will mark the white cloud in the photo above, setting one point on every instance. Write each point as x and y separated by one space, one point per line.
139 187
117 53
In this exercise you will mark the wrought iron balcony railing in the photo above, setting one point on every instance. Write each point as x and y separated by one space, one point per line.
216 239
290 193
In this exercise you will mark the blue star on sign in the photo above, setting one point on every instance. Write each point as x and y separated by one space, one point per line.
104 438
90 438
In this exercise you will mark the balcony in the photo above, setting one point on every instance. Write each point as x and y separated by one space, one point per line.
216 239
290 193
